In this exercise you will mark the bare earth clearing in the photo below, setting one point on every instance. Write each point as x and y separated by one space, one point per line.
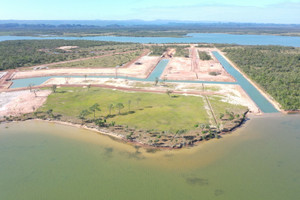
20 102
141 70
193 68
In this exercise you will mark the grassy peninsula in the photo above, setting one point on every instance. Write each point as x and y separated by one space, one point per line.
162 120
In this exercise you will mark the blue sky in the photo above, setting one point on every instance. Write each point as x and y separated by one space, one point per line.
261 11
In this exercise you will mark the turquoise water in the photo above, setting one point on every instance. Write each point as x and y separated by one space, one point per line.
260 161
191 38
254 94
156 73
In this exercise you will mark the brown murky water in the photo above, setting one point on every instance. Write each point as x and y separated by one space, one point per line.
40 160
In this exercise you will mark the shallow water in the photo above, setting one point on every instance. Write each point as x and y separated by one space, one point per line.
191 38
40 160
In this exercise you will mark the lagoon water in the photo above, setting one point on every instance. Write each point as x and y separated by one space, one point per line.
190 38
41 160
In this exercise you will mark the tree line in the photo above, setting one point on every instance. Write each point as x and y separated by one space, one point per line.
22 53
275 68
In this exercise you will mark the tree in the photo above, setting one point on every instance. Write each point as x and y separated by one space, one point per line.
100 122
110 107
207 126
202 126
54 87
156 81
218 126
221 115
129 103
120 106
34 91
138 100
169 92
231 116
67 79
30 86
50 112
95 108
83 114
129 136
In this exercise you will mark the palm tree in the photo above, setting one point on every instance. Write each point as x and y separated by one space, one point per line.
120 106
138 100
54 88
129 103
83 114
156 81
30 86
169 92
95 108
110 107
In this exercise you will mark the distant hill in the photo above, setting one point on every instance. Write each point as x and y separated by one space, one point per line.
136 22
140 28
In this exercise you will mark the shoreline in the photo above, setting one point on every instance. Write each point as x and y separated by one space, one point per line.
122 138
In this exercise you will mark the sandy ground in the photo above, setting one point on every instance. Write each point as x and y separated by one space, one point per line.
139 71
234 94
20 102
67 47
2 74
195 69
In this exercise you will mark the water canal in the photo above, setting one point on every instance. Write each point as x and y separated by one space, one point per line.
264 105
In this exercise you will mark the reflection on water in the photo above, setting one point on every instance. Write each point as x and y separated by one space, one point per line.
40 160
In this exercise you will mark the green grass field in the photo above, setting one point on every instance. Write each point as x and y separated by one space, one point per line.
153 111
221 107
104 62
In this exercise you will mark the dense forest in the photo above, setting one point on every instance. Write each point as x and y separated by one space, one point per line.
275 68
22 53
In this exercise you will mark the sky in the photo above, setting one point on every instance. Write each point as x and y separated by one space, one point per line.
255 11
